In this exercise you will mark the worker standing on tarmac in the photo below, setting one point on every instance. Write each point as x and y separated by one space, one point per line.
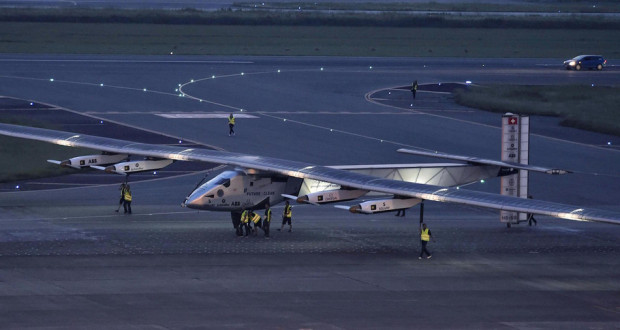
231 125
122 200
245 222
414 88
287 217
425 236
257 222
127 199
267 220
237 224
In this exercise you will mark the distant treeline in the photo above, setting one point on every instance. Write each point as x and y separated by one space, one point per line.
287 18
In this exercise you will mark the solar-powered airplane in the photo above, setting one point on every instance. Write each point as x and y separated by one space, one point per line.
258 180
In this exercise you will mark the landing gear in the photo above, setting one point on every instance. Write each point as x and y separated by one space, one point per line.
421 212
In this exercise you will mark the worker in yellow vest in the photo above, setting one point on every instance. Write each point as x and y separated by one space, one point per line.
121 201
425 236
245 222
127 199
231 125
414 88
267 220
287 217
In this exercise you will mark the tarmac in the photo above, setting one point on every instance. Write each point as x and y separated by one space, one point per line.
67 260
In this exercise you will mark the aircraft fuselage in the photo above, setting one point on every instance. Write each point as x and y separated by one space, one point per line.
236 191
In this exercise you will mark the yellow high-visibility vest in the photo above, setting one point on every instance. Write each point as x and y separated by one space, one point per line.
424 235
127 195
231 120
288 212
255 218
244 217
268 215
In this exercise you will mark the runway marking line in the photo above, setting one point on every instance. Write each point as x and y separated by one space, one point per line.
189 115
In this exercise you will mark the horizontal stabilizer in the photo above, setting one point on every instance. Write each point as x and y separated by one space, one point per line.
482 161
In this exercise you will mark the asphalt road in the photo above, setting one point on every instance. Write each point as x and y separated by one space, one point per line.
68 261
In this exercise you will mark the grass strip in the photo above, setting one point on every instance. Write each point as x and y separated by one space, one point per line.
160 39
23 159
26 159
586 107
307 18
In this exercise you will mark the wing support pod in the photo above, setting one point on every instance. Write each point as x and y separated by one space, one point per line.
90 160
321 173
64 163
482 161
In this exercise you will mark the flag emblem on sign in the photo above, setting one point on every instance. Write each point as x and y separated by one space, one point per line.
512 121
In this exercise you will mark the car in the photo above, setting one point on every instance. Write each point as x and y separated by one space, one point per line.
586 62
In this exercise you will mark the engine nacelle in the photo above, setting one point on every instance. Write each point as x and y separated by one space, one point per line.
136 166
384 205
330 196
90 160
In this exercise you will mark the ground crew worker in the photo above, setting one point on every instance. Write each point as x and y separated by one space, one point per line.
231 125
398 213
127 199
414 88
255 218
245 221
425 236
120 202
236 221
267 220
287 216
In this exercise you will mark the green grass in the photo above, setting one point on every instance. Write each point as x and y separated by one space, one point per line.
585 107
153 39
306 18
229 32
25 159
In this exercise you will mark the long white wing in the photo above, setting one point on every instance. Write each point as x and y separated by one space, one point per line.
476 160
321 173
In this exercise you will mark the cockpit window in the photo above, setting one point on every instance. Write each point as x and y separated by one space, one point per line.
223 181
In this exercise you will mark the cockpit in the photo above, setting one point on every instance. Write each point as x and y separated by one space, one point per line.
212 189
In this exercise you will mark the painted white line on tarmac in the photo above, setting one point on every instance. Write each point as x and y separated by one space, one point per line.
124 61
114 215
202 115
